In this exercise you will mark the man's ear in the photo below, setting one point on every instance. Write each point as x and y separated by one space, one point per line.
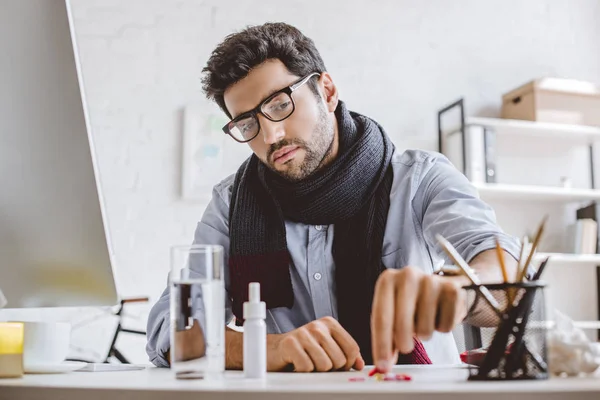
329 90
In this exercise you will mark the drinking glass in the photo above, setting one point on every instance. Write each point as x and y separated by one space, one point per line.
197 305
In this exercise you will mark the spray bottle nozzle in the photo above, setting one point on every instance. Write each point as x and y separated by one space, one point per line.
254 289
254 308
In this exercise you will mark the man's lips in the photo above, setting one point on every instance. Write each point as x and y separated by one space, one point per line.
284 154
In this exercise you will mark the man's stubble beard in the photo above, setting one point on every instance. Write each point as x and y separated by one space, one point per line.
316 152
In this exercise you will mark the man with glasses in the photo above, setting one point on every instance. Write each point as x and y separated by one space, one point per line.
335 222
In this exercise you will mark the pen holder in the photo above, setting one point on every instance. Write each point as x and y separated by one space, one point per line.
511 343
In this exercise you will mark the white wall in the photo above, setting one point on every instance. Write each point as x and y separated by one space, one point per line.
397 61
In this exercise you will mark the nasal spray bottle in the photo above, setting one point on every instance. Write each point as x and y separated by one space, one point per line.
255 334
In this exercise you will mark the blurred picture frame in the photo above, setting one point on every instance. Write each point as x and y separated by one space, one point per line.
208 154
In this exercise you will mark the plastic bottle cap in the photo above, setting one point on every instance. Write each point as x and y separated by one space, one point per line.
254 308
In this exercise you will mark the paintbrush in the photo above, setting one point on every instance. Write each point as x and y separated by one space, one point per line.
462 264
536 242
540 270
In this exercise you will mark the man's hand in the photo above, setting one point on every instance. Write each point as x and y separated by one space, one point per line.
321 345
408 303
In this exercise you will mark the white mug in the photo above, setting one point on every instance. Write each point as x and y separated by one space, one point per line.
45 343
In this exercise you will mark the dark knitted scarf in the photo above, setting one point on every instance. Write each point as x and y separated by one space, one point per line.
353 193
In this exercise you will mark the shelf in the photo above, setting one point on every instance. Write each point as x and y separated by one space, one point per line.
500 191
565 258
576 134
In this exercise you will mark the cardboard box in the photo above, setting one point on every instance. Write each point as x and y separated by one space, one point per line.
554 100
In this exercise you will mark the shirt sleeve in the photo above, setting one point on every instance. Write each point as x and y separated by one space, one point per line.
449 205
213 228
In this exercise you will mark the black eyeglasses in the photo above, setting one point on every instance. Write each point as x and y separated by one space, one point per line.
277 107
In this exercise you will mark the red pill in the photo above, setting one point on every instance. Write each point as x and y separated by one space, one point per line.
403 377
356 379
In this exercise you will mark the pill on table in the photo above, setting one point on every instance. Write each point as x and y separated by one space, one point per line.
356 379
403 377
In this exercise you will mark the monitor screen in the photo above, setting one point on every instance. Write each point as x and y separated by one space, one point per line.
54 247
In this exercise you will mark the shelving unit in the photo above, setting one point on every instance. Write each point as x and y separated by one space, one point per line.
573 135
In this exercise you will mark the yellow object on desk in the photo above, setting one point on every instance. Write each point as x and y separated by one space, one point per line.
11 349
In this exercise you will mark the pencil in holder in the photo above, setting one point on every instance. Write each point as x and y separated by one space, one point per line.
512 335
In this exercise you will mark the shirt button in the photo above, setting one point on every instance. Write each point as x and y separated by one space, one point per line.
317 276
319 227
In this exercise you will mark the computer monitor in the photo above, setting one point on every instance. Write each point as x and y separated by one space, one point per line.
54 247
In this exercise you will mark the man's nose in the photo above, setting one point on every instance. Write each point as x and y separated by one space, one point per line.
272 132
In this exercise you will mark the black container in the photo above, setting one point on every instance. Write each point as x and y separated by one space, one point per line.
513 339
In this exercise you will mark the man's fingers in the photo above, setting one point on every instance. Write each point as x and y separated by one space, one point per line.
427 307
359 364
333 350
319 357
407 289
297 356
321 345
346 343
321 332
382 319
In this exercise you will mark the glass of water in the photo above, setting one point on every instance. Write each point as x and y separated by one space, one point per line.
197 295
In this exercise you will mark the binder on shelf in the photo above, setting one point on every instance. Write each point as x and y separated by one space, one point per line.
583 235
476 168
591 211
489 153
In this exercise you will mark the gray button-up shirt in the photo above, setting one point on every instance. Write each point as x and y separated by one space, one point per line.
428 197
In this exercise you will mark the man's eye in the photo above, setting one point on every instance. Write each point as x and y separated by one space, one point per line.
280 107
248 126
283 106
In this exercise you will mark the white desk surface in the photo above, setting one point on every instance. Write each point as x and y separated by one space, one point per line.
429 382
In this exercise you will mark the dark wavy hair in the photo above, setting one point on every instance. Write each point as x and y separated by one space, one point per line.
233 58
